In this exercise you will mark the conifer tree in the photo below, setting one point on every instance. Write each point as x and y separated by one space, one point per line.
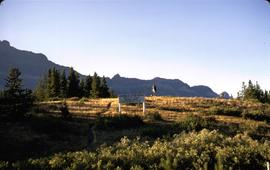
40 91
82 88
53 83
88 86
73 84
253 91
13 86
56 83
63 85
104 90
50 83
95 92
18 100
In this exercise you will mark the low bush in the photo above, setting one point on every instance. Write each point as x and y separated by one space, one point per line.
54 99
74 99
159 131
226 111
122 121
190 123
195 150
4 165
174 109
154 131
64 111
83 100
249 127
153 116
241 152
256 115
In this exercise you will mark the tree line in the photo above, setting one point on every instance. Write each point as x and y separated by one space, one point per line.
15 100
56 84
251 91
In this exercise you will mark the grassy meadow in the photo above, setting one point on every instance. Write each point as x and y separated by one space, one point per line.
174 133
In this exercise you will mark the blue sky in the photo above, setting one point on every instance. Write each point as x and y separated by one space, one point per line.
218 43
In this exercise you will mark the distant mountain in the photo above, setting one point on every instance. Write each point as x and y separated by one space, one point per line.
34 65
225 95
165 87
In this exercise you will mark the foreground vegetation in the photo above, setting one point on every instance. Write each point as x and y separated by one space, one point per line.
174 133
134 142
191 133
202 150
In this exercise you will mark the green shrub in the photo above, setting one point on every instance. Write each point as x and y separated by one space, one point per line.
4 165
74 99
190 123
54 99
226 111
174 109
158 131
251 128
122 121
202 150
256 115
83 100
153 116
154 132
64 111
241 152
194 122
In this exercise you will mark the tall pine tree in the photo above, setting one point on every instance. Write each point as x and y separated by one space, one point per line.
73 84
53 83
95 92
63 85
104 89
40 91
88 86
82 88
13 86
56 83
50 83
18 100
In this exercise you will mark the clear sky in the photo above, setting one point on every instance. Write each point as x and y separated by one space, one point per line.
218 43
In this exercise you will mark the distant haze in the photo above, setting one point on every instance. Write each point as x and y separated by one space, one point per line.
219 43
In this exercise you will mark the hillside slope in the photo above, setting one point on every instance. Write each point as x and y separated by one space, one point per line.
241 126
32 65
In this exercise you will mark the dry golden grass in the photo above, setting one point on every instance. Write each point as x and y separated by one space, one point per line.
170 108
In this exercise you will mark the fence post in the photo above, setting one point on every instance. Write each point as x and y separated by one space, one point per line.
267 165
119 108
143 107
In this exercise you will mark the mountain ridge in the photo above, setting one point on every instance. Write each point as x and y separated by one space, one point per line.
34 65
165 87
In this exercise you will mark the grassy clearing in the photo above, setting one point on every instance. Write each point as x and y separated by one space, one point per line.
44 133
